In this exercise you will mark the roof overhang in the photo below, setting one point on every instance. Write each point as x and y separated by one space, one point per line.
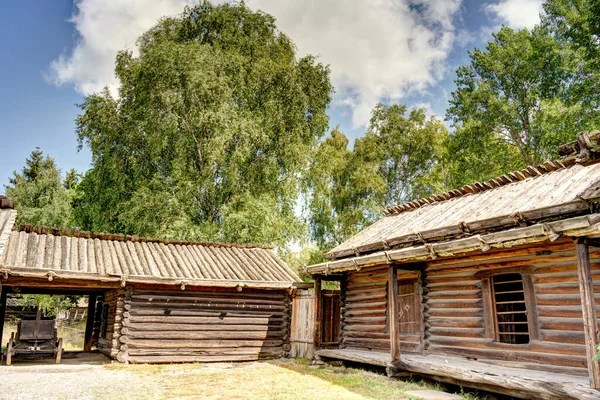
55 276
584 226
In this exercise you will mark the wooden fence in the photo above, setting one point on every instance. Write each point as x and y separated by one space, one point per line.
303 321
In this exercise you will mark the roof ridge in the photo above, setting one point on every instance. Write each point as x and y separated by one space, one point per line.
121 237
477 187
581 151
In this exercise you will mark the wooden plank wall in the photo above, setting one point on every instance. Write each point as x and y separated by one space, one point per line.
454 307
303 324
112 316
207 325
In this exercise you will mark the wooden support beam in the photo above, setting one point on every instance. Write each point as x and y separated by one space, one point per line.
588 305
89 324
318 314
394 317
3 294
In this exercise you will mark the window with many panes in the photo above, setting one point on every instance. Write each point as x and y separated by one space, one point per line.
508 295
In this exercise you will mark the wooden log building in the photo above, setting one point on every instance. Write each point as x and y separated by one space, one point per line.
156 301
495 285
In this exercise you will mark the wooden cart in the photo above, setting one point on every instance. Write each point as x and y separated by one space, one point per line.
35 337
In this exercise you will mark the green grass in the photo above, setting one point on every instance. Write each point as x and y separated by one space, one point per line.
286 379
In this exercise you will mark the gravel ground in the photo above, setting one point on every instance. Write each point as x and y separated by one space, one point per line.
82 377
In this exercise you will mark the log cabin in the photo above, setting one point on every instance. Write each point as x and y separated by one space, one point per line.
495 285
156 301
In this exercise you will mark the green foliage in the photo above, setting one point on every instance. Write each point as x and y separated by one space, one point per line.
50 305
39 193
405 149
214 122
515 103
343 193
297 260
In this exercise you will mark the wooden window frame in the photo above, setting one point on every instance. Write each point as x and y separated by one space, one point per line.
489 308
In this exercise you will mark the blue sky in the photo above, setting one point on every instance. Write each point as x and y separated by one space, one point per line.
55 52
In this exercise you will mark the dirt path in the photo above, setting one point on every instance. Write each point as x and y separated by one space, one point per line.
82 378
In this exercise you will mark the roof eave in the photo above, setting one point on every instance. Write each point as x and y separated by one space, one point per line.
123 280
583 226
580 205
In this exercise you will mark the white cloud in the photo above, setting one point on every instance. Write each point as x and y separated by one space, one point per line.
517 14
377 49
103 28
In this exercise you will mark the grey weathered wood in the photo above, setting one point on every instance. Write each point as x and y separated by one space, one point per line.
318 314
511 381
3 296
89 324
588 306
394 317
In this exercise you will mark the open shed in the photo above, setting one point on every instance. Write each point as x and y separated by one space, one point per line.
156 300
495 285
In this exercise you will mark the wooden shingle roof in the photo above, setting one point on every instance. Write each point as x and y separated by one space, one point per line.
55 253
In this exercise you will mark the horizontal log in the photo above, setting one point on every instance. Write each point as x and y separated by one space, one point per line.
206 312
140 327
209 318
376 332
208 305
368 298
532 347
558 336
456 332
454 303
560 299
552 359
474 288
454 294
365 344
356 320
215 351
364 313
561 311
460 322
371 305
561 324
199 335
200 344
204 299
192 294
561 288
455 312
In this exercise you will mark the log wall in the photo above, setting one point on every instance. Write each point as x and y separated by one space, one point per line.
455 307
364 310
165 326
112 313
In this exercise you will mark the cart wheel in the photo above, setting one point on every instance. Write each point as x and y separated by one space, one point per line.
59 351
9 353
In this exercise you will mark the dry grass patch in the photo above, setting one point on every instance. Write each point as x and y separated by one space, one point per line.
270 380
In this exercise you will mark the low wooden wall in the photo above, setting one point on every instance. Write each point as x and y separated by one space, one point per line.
165 326
303 324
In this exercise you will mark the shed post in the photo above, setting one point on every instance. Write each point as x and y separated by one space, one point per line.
394 318
3 294
89 324
318 314
588 305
